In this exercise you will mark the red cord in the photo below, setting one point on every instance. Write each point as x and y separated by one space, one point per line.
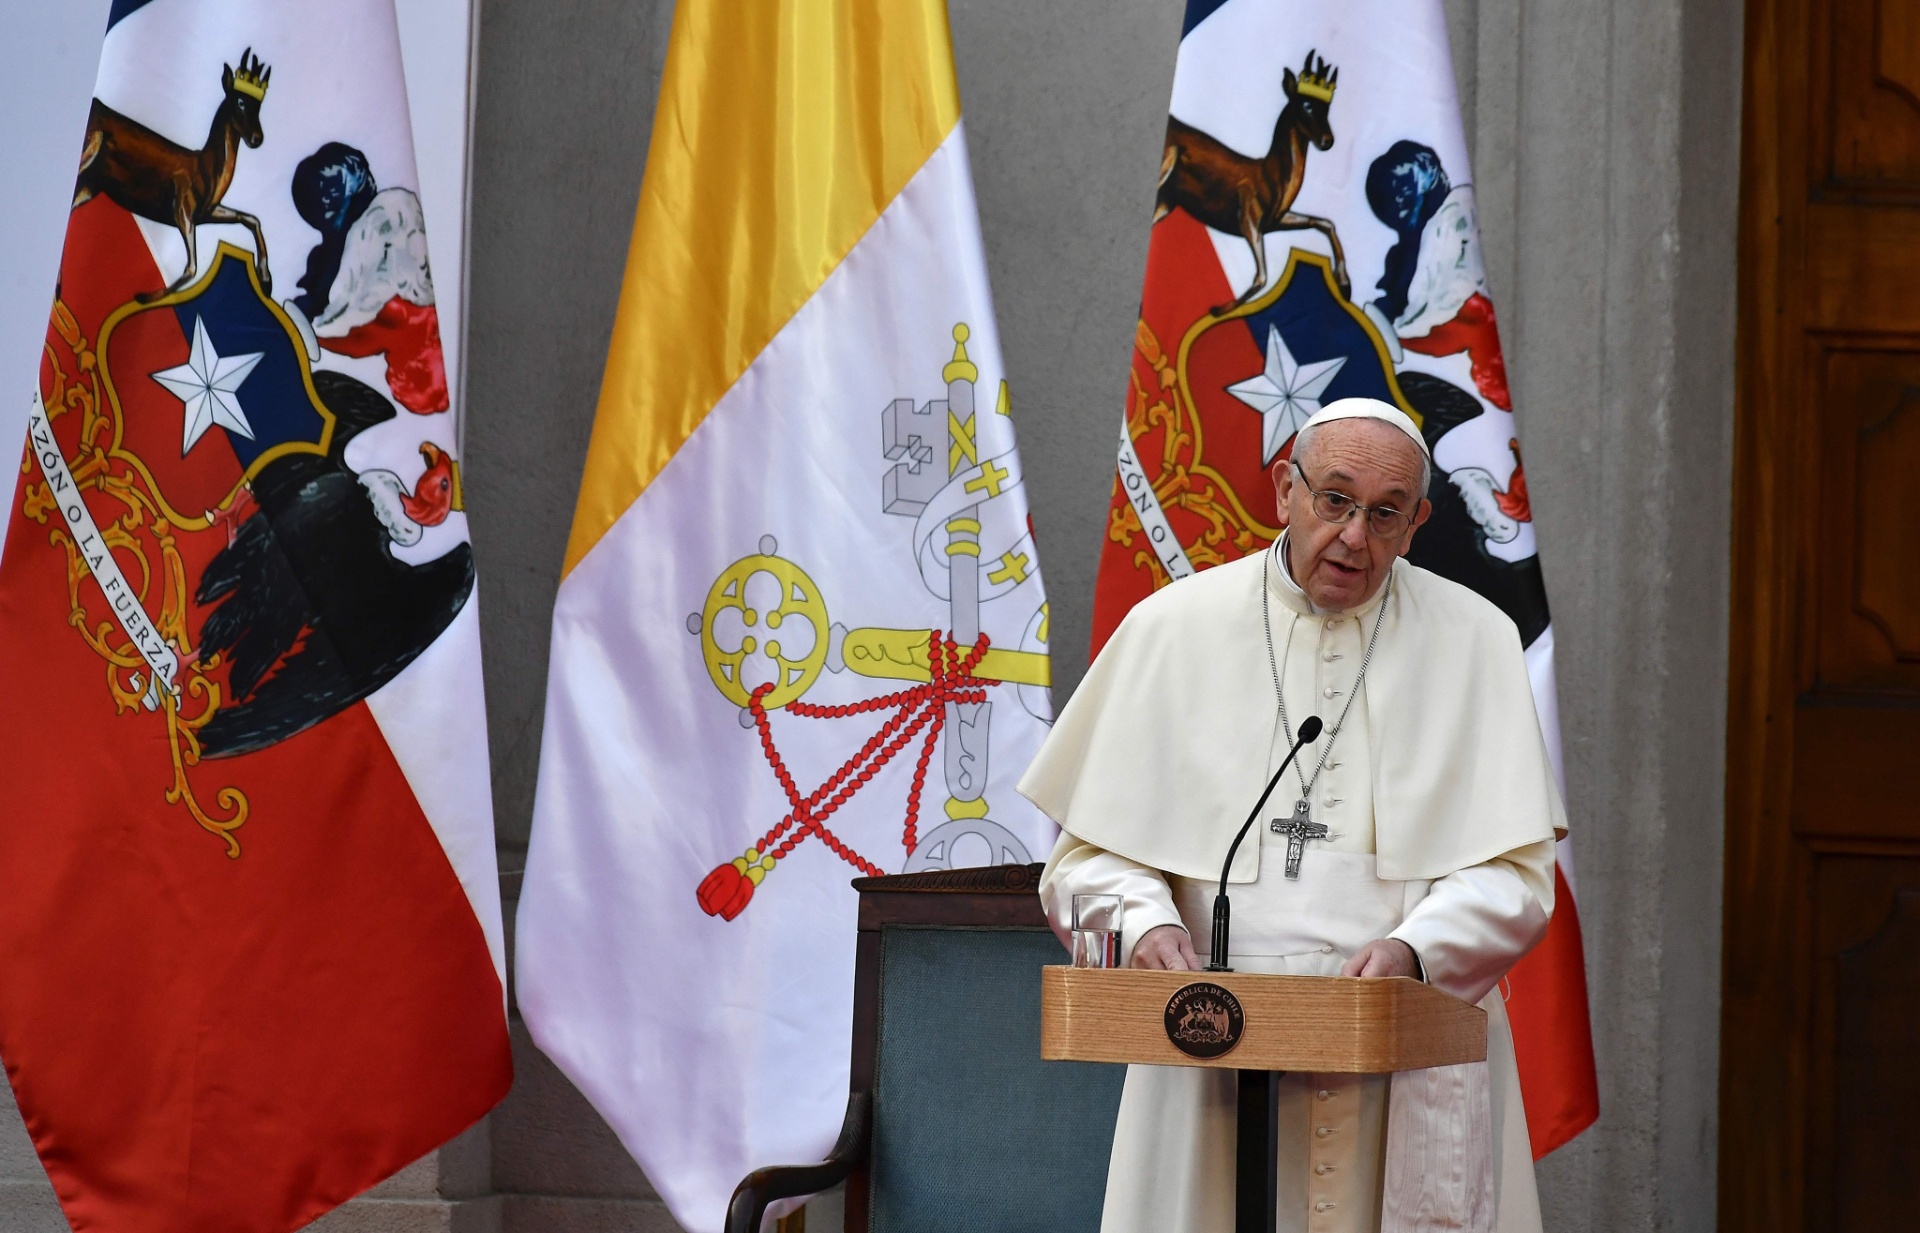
923 706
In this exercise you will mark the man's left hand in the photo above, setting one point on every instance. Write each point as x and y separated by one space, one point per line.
1385 957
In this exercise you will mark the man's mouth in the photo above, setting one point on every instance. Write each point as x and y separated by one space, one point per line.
1342 569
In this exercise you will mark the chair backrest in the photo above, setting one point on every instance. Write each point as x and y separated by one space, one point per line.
971 1130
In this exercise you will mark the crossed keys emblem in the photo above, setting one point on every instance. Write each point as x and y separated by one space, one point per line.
766 636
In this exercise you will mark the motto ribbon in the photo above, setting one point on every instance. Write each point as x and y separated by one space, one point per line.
1153 519
133 618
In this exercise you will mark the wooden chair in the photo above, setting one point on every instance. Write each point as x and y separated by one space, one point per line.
953 1120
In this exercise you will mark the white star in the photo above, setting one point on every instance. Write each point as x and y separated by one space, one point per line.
1286 395
209 384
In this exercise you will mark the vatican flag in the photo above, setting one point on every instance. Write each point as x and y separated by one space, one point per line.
801 635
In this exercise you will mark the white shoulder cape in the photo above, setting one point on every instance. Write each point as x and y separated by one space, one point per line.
1167 743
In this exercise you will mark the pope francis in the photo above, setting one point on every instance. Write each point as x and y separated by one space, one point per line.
1425 817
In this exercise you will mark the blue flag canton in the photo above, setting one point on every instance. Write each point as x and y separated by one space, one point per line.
122 9
1197 11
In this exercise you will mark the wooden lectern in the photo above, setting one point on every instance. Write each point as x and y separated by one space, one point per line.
1261 1026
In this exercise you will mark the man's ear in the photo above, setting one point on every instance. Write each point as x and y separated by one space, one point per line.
1420 516
1281 472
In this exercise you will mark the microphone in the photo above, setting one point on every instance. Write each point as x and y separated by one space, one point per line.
1309 731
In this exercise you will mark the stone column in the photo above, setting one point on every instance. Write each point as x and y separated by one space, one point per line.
1606 148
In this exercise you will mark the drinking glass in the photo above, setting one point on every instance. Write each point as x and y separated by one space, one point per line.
1096 930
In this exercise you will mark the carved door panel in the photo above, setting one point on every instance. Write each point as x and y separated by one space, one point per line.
1863 1085
1866 68
1820 1077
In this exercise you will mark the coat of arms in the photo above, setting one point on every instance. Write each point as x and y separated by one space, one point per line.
237 578
969 553
1223 379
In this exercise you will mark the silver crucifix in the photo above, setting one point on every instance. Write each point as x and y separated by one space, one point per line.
1298 829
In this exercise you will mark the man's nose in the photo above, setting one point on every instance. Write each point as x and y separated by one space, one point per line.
1353 532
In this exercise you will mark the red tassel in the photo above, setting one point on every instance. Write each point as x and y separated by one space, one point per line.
725 892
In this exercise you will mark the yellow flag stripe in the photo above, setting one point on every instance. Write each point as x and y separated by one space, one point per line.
784 129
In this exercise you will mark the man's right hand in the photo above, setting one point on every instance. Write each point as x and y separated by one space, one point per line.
1165 947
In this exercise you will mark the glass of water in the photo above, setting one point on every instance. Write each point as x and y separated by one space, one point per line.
1096 930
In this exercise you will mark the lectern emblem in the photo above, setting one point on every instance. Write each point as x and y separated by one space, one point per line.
1204 1020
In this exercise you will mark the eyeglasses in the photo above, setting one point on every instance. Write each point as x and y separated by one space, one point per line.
1383 521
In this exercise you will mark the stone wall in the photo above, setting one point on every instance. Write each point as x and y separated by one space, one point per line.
1605 137
1607 144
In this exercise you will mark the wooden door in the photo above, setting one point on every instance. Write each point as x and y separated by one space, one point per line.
1820 1055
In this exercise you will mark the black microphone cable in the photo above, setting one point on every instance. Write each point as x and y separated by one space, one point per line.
1222 911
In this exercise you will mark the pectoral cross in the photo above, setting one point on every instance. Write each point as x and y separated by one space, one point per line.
1298 829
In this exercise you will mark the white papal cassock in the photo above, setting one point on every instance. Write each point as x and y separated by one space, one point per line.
1442 812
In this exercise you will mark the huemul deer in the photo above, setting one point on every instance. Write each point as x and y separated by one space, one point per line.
146 174
1251 197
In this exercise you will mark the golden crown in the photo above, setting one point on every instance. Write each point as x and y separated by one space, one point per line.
251 77
1317 82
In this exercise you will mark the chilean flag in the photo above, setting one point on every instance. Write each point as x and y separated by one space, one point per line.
251 954
1314 239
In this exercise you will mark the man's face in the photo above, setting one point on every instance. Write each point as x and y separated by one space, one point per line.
1341 565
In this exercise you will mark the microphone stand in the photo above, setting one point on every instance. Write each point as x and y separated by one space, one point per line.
1222 910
